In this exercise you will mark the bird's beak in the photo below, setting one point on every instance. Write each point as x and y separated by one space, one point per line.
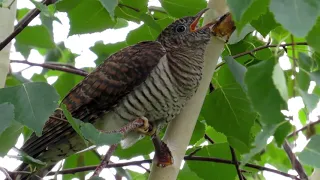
196 21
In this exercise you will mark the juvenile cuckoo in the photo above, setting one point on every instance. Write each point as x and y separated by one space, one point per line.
151 80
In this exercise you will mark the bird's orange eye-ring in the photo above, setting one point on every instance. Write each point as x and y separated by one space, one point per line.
181 28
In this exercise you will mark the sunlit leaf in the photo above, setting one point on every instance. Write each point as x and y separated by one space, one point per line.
33 102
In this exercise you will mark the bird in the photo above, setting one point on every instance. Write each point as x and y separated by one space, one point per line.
151 80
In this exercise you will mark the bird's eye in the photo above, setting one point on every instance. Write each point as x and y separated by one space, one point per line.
181 28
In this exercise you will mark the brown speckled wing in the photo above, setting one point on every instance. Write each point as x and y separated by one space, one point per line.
99 91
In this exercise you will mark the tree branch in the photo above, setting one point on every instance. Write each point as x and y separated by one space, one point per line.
294 161
7 18
187 158
250 52
54 67
179 130
303 128
23 23
236 163
268 46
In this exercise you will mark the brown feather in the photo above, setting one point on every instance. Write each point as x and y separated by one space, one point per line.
98 92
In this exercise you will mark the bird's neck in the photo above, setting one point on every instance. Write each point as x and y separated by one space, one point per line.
186 67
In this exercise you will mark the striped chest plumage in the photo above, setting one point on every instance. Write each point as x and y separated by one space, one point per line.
164 93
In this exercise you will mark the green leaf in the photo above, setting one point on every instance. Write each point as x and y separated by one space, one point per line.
315 76
103 51
298 16
257 8
12 81
21 13
238 8
137 176
265 23
43 8
310 100
110 6
7 115
95 19
302 116
236 37
43 38
66 5
313 37
38 78
215 136
280 82
89 158
229 105
238 71
260 142
9 137
209 170
99 138
182 8
198 132
305 62
135 150
148 20
311 153
23 49
145 33
259 81
186 173
30 160
33 102
75 123
131 10
60 54
66 82
276 157
279 34
303 80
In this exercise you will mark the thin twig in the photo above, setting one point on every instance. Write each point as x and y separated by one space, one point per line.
5 172
250 52
267 46
105 161
187 158
224 161
208 138
64 65
303 128
236 163
294 161
54 67
23 23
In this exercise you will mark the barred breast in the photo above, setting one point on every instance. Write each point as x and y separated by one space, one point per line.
160 97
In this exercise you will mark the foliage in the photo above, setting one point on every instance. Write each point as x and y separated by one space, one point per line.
252 87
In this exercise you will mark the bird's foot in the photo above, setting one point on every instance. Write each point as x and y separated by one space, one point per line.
147 128
163 155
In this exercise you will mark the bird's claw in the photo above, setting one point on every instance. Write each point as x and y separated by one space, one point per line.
146 128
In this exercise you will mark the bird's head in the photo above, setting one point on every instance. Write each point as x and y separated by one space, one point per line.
185 32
